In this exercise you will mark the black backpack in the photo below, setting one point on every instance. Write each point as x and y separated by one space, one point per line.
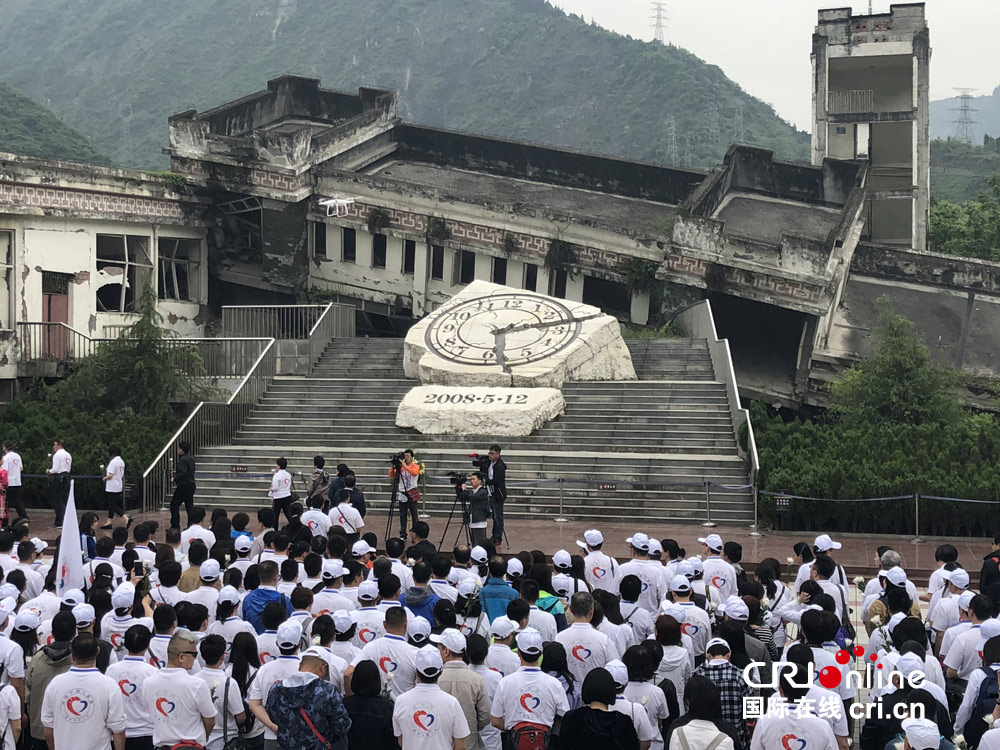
986 701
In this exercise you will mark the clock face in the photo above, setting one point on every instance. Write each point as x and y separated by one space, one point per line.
464 333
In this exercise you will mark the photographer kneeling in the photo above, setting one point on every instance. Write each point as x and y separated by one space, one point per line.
479 507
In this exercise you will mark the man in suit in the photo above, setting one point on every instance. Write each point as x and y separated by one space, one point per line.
496 486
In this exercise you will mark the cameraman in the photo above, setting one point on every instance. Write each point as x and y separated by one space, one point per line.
407 493
496 486
479 507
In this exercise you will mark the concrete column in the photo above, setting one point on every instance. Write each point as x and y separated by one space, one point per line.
639 309
421 270
484 267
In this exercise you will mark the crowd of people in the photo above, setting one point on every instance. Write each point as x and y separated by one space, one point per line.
305 632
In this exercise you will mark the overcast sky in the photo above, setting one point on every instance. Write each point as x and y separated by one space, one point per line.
764 45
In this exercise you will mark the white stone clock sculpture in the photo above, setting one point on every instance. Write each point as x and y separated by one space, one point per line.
493 358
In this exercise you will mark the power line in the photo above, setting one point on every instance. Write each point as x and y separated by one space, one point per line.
964 123
659 21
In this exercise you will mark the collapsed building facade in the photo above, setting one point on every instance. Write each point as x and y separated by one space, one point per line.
299 192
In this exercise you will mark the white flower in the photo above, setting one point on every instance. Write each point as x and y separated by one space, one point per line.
959 742
876 620
858 580
765 602
898 745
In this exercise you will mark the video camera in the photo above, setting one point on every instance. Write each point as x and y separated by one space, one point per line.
396 459
458 478
482 463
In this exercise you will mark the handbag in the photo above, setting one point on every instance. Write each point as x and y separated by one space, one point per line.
237 742
414 495
845 618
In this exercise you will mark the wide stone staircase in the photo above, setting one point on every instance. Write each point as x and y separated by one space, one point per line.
626 450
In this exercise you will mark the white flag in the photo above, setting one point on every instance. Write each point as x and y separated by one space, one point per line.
70 574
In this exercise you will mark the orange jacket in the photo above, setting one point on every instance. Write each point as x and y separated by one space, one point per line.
411 469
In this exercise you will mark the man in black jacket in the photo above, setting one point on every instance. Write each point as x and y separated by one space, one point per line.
479 505
496 487
991 566
184 485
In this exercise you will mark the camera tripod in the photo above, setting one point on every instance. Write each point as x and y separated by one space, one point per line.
392 504
459 498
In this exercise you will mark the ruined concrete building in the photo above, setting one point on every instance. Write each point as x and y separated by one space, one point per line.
298 188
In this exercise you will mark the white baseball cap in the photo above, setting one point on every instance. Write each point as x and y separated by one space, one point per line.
124 596
922 734
561 559
515 567
428 661
717 642
680 583
676 611
502 627
479 554
824 543
909 664
40 545
713 541
618 671
965 600
210 570
686 569
73 596
895 620
368 591
84 614
289 634
958 577
989 629
7 606
9 589
639 541
562 584
243 543
229 595
593 538
655 548
735 608
896 576
343 620
529 641
418 629
361 548
451 639
332 569
697 565
27 619
467 587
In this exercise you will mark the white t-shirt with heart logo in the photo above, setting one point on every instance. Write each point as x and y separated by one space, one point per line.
586 649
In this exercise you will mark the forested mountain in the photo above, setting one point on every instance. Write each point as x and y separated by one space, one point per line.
986 116
960 171
116 69
28 128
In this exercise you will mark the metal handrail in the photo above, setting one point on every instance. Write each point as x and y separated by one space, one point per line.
337 321
210 423
280 322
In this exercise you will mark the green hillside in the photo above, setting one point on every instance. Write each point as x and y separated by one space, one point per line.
960 171
517 68
29 129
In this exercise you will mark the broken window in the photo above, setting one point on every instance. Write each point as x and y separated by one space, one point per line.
409 256
464 269
379 242
350 244
499 270
559 284
530 277
437 262
6 278
124 269
178 277
319 239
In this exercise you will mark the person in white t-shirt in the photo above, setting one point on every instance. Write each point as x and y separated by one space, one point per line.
10 716
180 704
586 648
963 656
206 593
228 702
601 570
82 708
315 519
346 516
392 654
652 586
59 472
114 486
500 658
12 463
528 695
11 653
196 531
281 489
426 717
645 729
785 724
227 624
130 675
288 638
720 576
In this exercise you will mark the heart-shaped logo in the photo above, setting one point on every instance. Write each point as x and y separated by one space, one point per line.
366 635
718 581
598 572
689 628
117 639
313 525
49 641
578 650
127 687
791 742
165 706
387 665
423 720
76 705
265 657
529 702
341 520
645 587
465 629
154 662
